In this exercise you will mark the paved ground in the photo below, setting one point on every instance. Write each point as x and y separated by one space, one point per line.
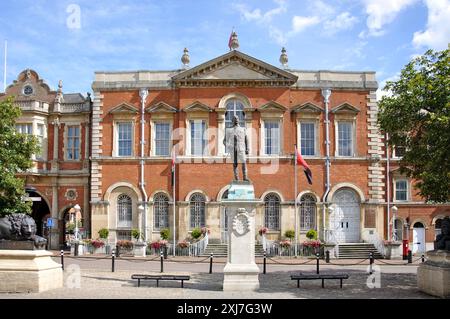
92 278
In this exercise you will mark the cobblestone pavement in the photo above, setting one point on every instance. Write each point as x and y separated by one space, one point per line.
92 278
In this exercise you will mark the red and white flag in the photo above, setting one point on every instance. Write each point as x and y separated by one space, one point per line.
300 161
230 40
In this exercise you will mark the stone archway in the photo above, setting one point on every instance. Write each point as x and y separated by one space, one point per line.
40 211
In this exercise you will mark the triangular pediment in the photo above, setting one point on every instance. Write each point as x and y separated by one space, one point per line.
161 107
307 107
124 108
272 106
345 108
235 68
197 107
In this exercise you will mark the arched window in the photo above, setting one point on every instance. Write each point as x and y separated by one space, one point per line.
234 107
197 204
307 212
124 211
272 211
437 227
161 209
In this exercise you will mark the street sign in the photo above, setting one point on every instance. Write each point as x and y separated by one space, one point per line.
49 222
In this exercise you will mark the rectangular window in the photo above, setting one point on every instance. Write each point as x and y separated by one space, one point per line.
198 138
307 138
401 190
25 128
345 139
124 235
162 139
124 139
399 151
73 142
40 137
272 137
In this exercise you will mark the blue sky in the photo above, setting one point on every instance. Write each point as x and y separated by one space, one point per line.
53 39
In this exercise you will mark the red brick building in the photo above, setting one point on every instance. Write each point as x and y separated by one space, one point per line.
59 178
185 110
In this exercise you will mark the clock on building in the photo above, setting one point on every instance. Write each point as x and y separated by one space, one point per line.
27 90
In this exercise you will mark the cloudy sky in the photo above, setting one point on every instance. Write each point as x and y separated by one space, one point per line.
69 40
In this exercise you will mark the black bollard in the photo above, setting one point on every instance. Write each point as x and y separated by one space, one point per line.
264 263
76 249
423 258
370 262
327 256
317 262
62 259
210 263
117 251
409 257
162 262
113 257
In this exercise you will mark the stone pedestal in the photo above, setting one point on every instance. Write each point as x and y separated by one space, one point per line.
29 271
140 249
433 276
241 272
393 251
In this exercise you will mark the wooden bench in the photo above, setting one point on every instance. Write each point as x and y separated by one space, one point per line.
310 276
160 277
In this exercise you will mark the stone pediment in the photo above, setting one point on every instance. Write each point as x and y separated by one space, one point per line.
235 69
161 107
307 107
345 108
197 107
124 108
272 106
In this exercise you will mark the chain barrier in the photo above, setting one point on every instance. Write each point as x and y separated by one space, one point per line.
356 264
289 264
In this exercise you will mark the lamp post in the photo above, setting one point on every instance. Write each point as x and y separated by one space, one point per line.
77 209
394 230
141 211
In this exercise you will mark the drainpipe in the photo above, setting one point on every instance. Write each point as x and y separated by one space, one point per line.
388 189
143 93
326 93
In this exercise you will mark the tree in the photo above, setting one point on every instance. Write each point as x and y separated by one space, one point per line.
16 150
416 115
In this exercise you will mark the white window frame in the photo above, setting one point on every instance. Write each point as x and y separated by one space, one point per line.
407 189
188 136
25 124
299 135
263 136
41 139
153 134
353 134
66 141
116 138
394 155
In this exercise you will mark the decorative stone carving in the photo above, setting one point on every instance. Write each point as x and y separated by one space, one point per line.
20 227
71 194
241 222
234 43
185 59
284 58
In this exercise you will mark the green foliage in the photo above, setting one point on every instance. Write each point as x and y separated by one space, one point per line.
103 233
416 115
136 234
196 233
165 233
311 234
289 234
15 156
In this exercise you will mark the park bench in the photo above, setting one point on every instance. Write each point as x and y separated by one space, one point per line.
160 277
310 276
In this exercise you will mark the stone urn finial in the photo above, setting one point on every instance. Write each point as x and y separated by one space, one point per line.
234 43
284 58
185 59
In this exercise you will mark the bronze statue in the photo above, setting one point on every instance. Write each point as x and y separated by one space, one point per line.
20 227
236 144
443 239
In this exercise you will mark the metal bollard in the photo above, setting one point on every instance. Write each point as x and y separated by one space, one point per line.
113 258
317 262
409 257
211 263
370 262
327 256
264 263
117 251
62 259
423 258
162 261
76 249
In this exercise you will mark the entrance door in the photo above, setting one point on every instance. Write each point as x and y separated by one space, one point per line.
345 220
418 238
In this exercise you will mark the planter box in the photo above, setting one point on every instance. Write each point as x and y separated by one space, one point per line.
140 249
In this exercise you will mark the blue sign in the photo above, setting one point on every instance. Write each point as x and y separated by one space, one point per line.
49 222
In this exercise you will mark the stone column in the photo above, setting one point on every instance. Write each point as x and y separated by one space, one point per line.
241 271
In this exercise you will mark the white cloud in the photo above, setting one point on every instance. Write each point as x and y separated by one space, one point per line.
343 21
324 9
257 15
299 24
380 91
437 34
382 12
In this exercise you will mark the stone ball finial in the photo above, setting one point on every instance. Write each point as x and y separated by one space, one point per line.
284 58
185 59
234 43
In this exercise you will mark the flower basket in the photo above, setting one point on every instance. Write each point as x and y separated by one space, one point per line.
262 231
125 246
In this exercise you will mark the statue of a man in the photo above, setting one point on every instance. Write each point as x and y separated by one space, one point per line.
236 144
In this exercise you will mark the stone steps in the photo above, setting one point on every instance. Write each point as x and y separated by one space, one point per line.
221 250
358 251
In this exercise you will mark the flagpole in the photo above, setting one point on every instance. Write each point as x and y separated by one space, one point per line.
4 70
174 202
295 199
